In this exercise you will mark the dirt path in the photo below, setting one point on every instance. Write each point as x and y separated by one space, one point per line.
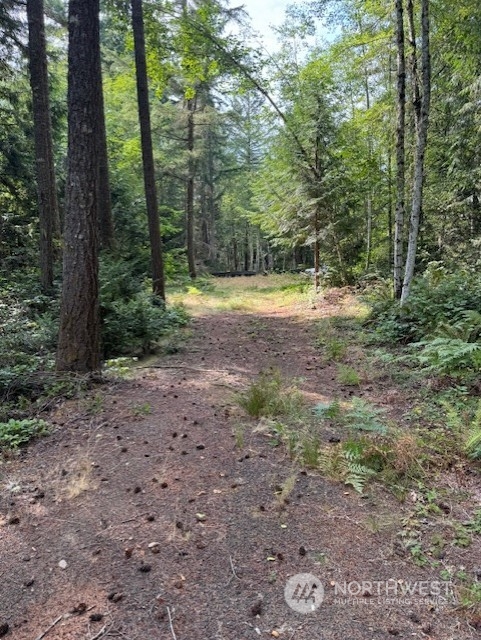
140 518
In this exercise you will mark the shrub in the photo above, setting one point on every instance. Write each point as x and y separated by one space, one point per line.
132 318
16 433
133 326
28 329
436 299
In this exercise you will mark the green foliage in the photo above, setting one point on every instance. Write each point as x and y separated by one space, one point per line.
362 416
132 319
15 433
336 349
309 449
269 396
436 302
450 356
472 445
348 376
28 336
348 462
331 410
134 326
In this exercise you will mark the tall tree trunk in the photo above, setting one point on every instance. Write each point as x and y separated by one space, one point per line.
370 193
400 152
158 284
368 231
317 262
104 200
79 332
413 60
390 207
421 143
46 187
190 223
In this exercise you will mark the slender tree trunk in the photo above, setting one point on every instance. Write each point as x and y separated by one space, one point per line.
370 195
104 200
158 283
368 231
190 189
317 262
400 152
79 332
46 187
390 208
413 60
421 143
259 260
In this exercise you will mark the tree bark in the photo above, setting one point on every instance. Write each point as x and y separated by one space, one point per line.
190 222
317 261
413 58
158 284
104 199
42 124
421 143
79 333
400 151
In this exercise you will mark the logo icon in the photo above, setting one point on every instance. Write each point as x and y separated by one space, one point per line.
304 593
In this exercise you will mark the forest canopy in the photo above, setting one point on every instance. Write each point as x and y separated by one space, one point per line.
353 148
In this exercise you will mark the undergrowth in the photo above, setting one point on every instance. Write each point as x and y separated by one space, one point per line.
133 323
15 433
366 448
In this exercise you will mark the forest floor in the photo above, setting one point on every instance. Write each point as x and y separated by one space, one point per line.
157 509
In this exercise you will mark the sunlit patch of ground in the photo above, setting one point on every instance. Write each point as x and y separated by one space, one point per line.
255 294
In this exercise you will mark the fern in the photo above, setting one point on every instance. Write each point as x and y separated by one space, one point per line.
364 417
450 356
357 475
473 442
346 463
467 328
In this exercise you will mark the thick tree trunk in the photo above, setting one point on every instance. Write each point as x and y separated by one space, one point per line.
46 187
421 143
104 200
190 222
158 284
400 152
79 333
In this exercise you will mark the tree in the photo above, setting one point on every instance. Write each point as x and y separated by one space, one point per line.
158 284
190 193
79 332
422 123
400 150
104 199
46 187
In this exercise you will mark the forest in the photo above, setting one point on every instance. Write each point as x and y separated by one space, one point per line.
240 317
353 149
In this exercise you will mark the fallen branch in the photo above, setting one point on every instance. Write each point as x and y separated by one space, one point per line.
98 635
42 635
184 366
170 624
232 567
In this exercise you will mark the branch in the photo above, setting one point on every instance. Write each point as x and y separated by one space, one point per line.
248 75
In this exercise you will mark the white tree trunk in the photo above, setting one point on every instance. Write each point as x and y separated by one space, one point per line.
421 142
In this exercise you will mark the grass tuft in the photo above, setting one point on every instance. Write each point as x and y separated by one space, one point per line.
269 396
